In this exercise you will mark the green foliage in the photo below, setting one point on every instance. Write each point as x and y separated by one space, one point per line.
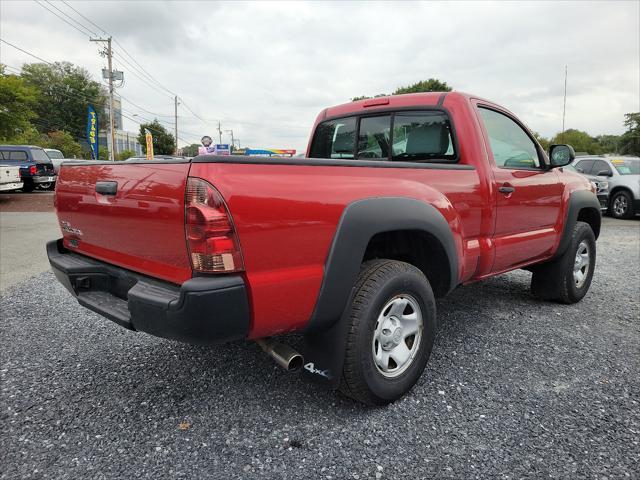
163 141
125 154
64 142
630 140
190 150
103 153
608 143
430 85
65 92
17 103
579 140
544 142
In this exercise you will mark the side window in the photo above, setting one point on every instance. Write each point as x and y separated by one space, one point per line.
2 155
334 139
373 137
584 166
18 155
510 144
600 166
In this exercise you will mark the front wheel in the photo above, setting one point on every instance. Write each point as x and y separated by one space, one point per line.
392 322
568 278
622 205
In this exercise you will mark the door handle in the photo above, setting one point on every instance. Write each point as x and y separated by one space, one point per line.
506 189
107 188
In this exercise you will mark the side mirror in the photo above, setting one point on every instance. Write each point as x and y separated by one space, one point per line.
605 173
561 155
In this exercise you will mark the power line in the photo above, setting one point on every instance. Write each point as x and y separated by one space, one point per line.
91 32
24 51
61 18
88 20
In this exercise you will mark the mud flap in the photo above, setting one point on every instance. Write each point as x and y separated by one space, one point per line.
323 353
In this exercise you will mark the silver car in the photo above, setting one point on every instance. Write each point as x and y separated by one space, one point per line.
623 174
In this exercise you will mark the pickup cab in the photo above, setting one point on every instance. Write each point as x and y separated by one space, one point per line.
398 201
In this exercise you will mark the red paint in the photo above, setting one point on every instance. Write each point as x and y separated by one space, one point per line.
286 215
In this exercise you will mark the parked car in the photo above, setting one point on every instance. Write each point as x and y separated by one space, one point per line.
57 157
349 251
36 169
10 178
601 185
623 174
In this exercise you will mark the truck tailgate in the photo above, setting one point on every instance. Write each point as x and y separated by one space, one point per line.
127 214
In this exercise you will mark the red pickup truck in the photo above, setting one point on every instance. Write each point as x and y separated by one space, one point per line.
400 200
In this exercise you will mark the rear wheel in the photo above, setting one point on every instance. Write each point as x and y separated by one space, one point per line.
391 332
567 279
622 205
45 186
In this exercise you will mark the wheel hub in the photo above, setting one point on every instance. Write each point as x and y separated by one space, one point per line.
391 334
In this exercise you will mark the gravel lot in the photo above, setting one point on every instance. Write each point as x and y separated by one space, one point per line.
515 388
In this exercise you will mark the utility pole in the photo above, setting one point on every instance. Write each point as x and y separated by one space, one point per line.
176 122
564 106
112 150
219 134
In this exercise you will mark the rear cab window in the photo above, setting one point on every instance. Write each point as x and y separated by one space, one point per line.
405 136
40 156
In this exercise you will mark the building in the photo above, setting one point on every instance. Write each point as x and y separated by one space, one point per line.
124 141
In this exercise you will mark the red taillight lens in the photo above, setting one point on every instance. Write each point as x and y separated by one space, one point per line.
33 170
211 236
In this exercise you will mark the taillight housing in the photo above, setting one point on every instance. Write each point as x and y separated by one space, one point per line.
33 170
211 236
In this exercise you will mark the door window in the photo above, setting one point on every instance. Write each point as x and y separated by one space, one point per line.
510 144
584 166
600 166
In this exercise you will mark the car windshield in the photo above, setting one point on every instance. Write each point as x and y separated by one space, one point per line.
54 153
627 166
40 156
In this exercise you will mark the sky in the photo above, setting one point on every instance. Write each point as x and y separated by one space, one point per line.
265 70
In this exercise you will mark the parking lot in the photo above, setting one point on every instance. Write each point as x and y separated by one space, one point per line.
515 388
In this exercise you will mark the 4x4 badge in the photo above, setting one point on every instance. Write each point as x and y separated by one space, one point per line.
323 373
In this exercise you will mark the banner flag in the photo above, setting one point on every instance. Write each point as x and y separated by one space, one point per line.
149 139
92 131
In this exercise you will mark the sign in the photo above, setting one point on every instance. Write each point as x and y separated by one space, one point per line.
206 151
92 131
222 149
206 141
270 152
149 139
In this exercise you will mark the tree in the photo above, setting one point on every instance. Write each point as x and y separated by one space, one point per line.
125 154
163 141
17 103
65 92
190 150
579 140
63 141
608 143
630 140
430 85
544 142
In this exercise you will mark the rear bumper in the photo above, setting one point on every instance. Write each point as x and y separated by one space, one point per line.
7 187
203 310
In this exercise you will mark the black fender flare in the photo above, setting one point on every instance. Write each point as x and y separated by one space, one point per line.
325 335
578 200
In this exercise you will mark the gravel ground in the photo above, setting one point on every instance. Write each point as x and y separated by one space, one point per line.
515 388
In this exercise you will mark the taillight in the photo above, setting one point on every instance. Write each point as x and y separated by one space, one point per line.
211 237
33 170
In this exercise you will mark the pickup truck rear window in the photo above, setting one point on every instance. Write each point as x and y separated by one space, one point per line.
40 156
419 136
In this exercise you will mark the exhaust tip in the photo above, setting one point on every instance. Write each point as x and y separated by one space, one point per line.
295 363
284 355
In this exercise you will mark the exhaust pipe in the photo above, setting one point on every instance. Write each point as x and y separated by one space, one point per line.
284 355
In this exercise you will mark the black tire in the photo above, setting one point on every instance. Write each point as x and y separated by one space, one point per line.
621 205
379 282
28 187
555 280
45 186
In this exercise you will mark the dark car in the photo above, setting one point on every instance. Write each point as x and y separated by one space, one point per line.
36 168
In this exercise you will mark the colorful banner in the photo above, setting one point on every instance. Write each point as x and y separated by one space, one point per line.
149 139
270 152
92 131
222 149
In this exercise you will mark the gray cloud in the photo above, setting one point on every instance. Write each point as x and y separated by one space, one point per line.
266 69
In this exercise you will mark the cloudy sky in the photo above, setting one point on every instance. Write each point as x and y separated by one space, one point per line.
266 69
